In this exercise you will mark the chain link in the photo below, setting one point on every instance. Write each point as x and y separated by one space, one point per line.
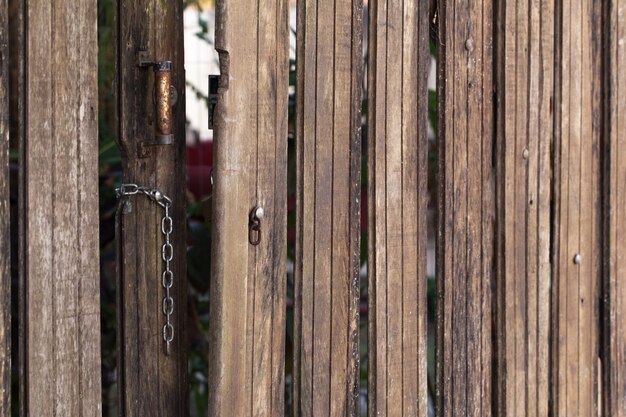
167 253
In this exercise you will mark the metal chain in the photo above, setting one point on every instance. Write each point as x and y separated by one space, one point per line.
167 252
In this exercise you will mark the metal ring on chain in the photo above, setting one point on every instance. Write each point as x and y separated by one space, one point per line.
166 225
168 333
168 305
168 279
167 251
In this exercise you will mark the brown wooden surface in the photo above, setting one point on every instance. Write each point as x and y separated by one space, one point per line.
524 140
466 209
248 283
398 198
328 194
16 68
150 383
577 192
5 214
614 342
16 125
60 296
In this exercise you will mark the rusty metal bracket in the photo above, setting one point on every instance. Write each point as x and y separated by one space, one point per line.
165 97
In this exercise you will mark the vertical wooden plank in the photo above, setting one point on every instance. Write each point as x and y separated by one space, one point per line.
577 248
466 209
229 342
16 68
150 383
246 351
60 207
270 185
614 341
398 174
327 241
525 127
377 243
16 136
5 215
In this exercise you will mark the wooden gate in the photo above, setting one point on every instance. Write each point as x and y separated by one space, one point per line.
530 185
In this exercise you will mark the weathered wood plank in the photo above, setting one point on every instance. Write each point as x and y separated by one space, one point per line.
327 241
614 343
398 174
150 383
466 209
5 215
377 243
16 137
16 68
246 352
524 139
576 254
270 185
60 251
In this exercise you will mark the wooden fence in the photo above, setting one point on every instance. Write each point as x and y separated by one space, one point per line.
530 184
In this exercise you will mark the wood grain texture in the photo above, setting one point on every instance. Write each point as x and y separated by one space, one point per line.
577 215
614 341
398 199
60 254
466 209
16 137
16 68
150 383
525 57
248 283
328 105
5 215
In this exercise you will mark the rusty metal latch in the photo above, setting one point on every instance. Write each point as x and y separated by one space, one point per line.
165 97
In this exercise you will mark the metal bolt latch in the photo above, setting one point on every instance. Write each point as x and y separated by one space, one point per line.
254 227
165 96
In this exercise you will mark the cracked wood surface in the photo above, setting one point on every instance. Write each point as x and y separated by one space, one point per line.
524 141
5 215
248 283
149 382
614 342
575 307
328 94
466 209
398 200
60 287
